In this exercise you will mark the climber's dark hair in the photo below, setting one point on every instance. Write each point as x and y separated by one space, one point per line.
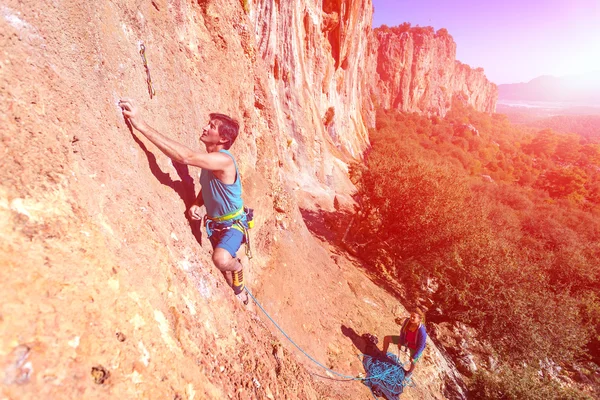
228 129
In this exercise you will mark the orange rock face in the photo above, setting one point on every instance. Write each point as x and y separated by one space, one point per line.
418 72
315 55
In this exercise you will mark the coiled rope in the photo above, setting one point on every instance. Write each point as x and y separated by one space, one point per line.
384 376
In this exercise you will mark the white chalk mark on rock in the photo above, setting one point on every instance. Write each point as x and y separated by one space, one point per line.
74 343
145 358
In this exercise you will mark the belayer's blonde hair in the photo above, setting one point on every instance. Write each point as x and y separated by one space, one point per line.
420 313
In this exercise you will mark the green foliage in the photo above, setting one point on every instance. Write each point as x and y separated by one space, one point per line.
416 30
443 32
403 27
398 30
590 153
328 117
584 125
422 30
566 183
568 150
521 384
544 143
564 166
517 257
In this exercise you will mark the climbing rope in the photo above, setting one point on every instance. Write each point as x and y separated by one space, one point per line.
386 376
348 377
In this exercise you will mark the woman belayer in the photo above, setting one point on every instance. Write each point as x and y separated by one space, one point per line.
412 335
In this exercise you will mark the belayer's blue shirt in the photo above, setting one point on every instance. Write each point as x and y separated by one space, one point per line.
220 198
421 338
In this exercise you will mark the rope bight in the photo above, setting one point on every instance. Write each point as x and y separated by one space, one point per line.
384 375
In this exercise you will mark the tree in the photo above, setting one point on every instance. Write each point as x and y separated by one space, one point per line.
568 149
590 155
566 182
543 144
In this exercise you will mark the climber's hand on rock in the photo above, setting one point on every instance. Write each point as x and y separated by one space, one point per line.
398 320
195 212
132 112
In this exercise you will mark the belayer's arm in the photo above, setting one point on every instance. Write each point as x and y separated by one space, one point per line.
421 341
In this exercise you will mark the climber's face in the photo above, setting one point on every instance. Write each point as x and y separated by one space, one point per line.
210 133
415 318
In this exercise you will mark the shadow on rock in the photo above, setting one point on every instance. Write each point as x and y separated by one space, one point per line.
365 343
337 228
184 187
325 225
384 372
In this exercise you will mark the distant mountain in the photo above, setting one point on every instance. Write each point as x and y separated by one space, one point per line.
584 89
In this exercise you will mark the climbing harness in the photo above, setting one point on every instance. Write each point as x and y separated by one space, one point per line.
388 374
228 217
148 78
233 220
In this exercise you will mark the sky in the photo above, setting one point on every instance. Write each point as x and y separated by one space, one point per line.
512 40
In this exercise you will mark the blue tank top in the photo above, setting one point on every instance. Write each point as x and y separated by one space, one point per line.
221 198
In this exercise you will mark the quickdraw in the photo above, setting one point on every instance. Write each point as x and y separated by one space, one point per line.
148 78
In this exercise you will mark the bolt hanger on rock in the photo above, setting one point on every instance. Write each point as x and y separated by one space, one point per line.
148 78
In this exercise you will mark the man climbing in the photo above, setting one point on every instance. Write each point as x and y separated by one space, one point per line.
412 335
221 191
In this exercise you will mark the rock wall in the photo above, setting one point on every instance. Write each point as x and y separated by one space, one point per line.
108 291
315 54
418 72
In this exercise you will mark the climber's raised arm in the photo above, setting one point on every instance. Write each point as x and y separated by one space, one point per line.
178 152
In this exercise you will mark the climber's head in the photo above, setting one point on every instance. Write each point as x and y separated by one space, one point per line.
220 130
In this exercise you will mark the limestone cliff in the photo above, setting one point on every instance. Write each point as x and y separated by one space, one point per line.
418 72
315 54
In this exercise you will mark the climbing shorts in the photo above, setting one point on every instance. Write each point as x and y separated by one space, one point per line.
396 341
228 239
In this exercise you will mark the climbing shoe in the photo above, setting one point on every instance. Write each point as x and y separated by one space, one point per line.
238 286
238 281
